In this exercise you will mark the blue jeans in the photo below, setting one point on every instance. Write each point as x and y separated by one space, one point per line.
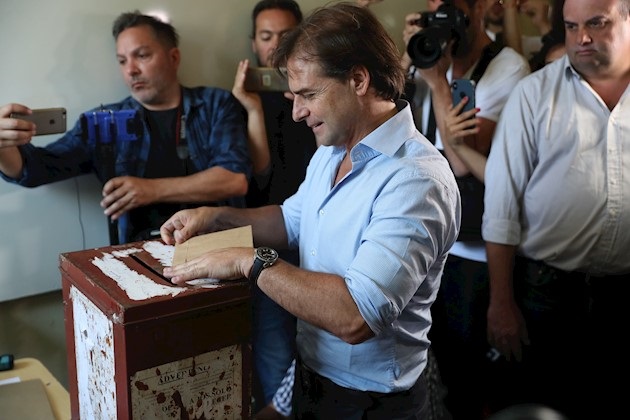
273 346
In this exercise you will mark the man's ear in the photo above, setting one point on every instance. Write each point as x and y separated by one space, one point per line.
361 80
175 55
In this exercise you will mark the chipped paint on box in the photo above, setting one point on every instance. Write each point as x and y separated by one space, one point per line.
136 285
206 386
94 351
160 251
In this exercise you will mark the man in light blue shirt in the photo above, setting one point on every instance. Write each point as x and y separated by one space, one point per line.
374 219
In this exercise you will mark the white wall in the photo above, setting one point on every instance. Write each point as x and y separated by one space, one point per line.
61 53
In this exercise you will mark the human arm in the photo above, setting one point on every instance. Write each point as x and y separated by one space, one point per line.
267 224
219 164
386 254
287 285
13 132
511 28
538 12
411 28
367 2
442 104
507 331
256 131
508 172
283 282
124 193
458 126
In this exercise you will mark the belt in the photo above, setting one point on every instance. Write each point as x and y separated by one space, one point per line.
574 275
317 383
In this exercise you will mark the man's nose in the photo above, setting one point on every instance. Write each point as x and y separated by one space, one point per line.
300 112
583 36
130 68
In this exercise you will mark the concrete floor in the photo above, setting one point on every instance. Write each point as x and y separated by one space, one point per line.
34 327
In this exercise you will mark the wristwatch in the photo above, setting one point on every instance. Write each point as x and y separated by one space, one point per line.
263 257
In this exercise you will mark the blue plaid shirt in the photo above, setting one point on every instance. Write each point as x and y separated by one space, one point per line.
215 132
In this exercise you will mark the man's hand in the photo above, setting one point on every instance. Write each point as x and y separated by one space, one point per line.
123 193
13 131
507 331
410 30
187 223
221 264
250 100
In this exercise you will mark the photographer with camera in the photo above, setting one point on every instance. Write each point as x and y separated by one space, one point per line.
444 44
192 147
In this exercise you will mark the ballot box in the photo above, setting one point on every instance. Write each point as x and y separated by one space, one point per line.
140 347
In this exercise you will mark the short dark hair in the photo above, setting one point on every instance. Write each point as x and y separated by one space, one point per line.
341 37
163 31
289 5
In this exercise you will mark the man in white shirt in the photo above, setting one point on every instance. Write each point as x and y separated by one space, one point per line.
556 220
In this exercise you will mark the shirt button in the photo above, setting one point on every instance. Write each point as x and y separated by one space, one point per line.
313 252
321 212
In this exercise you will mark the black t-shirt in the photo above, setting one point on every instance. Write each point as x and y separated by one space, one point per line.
162 162
291 144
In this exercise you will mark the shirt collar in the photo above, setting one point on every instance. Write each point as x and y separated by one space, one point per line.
391 135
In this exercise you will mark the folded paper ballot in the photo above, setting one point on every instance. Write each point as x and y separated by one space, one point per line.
25 400
198 245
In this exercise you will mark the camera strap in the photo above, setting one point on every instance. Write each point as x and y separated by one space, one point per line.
489 52
181 145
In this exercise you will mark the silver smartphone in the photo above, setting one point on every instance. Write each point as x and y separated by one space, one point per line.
461 88
47 120
260 79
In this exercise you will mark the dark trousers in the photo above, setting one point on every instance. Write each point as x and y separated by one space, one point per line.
316 397
458 337
576 324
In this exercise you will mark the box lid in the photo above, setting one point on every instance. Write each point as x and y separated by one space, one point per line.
126 282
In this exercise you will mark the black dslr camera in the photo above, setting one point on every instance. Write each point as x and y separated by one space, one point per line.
438 28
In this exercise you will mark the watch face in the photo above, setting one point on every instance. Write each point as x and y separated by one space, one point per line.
268 255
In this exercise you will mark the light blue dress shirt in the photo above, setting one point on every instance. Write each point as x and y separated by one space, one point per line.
386 228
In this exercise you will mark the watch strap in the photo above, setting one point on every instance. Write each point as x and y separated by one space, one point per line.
257 268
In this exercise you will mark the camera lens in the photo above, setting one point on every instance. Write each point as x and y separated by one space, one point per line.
427 46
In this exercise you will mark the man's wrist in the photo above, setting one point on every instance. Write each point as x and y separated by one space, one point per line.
264 257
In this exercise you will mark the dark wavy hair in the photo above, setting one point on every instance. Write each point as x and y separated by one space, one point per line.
163 31
289 5
340 37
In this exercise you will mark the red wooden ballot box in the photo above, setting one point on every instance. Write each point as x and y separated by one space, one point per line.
140 347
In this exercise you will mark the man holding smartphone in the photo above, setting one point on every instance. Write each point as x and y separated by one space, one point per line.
281 149
459 332
151 179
